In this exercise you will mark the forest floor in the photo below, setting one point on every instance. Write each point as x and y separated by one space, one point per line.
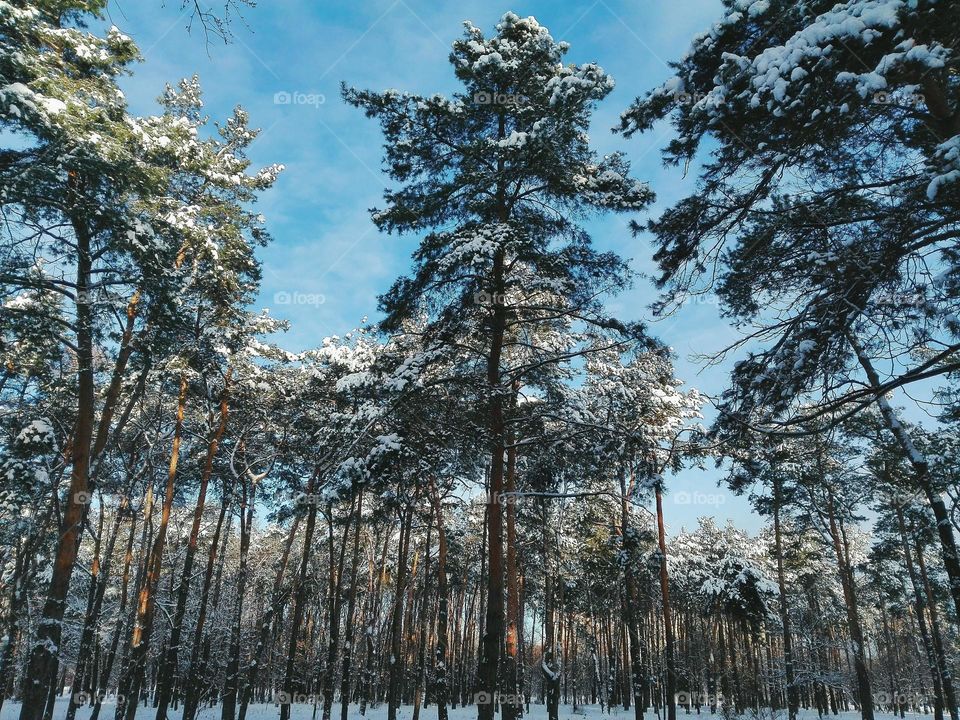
11 711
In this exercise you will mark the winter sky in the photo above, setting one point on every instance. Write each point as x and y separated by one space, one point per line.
328 262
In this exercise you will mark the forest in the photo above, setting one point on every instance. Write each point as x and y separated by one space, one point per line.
459 507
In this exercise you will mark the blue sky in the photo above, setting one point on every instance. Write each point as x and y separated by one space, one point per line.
328 263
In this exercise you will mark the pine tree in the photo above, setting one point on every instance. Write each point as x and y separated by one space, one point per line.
829 207
498 176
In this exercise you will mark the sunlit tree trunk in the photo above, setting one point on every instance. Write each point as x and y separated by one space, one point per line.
169 664
44 655
146 600
511 705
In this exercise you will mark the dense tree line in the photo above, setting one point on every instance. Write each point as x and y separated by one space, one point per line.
468 503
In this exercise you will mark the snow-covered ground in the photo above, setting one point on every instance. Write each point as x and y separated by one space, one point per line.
11 711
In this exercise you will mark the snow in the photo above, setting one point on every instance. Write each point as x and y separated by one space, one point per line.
588 80
515 139
776 77
39 431
548 671
947 155
18 96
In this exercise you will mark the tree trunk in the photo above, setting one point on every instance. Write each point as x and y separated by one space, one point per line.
350 635
793 696
194 674
269 619
936 636
336 607
99 575
44 660
631 598
116 381
426 617
396 624
231 687
146 601
549 665
19 582
921 468
299 601
441 689
853 615
511 704
493 626
125 623
170 661
671 672
918 604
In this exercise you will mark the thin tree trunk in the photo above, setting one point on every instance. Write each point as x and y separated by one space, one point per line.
936 636
126 626
269 618
853 615
17 603
550 666
511 705
396 624
99 575
441 689
793 697
631 598
194 668
919 603
671 672
336 608
146 602
299 602
426 616
105 673
921 468
350 635
231 688
116 380
170 661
